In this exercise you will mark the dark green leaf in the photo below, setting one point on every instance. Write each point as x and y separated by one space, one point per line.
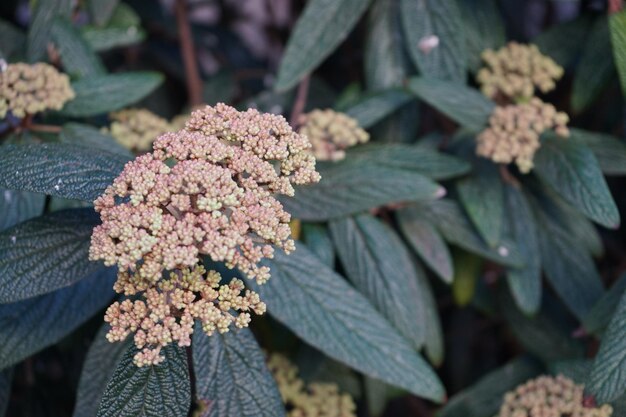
101 11
11 40
599 316
330 315
106 93
372 108
17 206
462 104
91 137
570 168
608 150
563 42
377 263
317 238
150 391
434 343
323 25
29 326
231 376
77 57
6 378
59 169
220 88
435 38
484 29
617 25
44 16
104 39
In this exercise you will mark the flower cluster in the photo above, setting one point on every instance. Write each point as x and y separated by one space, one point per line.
29 89
516 70
311 400
205 190
548 396
514 131
136 129
330 133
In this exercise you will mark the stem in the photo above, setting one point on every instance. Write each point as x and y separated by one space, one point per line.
192 75
298 105
508 177
45 128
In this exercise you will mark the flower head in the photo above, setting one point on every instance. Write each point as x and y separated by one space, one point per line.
136 129
331 133
27 89
549 396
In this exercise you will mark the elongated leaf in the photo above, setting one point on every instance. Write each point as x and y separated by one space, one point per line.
6 377
434 343
617 25
563 42
63 170
330 315
608 375
11 40
371 109
157 390
608 150
462 104
104 39
484 29
323 25
106 93
44 16
102 360
380 267
45 254
90 137
17 206
435 38
573 172
348 188
29 326
317 238
601 313
101 11
76 55
231 376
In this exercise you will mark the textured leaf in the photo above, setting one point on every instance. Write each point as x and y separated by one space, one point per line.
6 378
462 104
101 11
377 263
11 41
158 390
76 55
573 172
608 150
348 188
371 109
483 27
59 169
323 25
434 343
31 325
91 137
617 25
102 359
45 254
17 206
425 20
317 238
600 314
322 309
44 16
608 375
232 378
106 93
563 42
104 39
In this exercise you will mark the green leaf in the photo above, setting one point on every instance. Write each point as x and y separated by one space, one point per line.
434 344
484 397
323 25
317 238
330 315
377 263
102 359
467 269
462 104
88 136
373 108
482 196
106 93
45 254
599 316
28 326
430 246
68 171
17 206
563 42
77 57
483 27
617 26
44 16
608 375
596 66
6 378
572 171
101 11
441 22
348 188
524 282
11 41
104 39
150 391
608 150
232 378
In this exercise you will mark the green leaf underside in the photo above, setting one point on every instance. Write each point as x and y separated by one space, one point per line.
101 11
562 42
232 378
58 169
617 25
608 150
373 108
28 326
17 206
323 25
77 57
79 134
44 16
484 29
379 266
322 309
11 40
104 39
150 391
599 316
317 239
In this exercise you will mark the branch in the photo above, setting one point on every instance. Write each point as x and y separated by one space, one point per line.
192 75
298 105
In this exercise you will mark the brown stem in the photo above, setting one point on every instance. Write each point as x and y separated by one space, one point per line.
298 105
192 74
615 6
508 177
45 128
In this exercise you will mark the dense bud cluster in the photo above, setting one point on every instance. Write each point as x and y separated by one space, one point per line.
516 70
205 190
330 133
29 89
514 131
136 129
311 400
549 396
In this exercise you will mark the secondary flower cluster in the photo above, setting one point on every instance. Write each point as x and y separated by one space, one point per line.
29 89
515 70
136 129
331 133
514 131
548 396
205 190
311 400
